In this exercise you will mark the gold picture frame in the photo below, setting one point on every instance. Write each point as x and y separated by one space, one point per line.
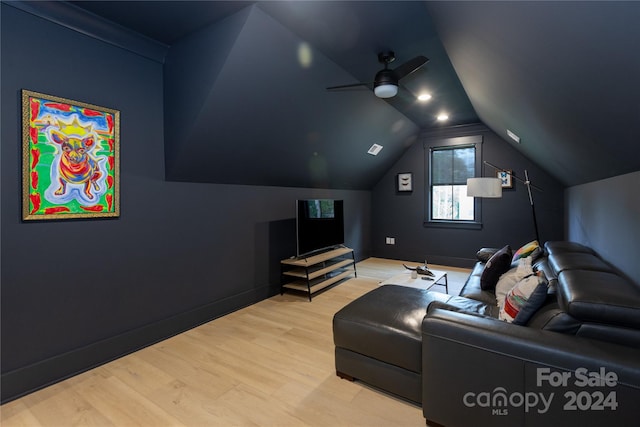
70 159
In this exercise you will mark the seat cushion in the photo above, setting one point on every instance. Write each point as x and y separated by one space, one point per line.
385 324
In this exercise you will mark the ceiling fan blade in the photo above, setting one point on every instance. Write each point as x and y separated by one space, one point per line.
348 86
410 66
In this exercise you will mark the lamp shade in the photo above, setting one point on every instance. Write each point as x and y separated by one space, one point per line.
484 187
386 90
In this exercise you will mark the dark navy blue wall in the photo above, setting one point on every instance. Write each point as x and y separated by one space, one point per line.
507 220
180 254
605 215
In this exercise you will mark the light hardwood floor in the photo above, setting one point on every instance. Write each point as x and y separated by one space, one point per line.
270 364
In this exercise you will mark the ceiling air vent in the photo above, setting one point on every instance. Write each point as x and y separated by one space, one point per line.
513 136
375 149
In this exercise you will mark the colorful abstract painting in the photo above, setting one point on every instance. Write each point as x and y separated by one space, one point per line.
70 156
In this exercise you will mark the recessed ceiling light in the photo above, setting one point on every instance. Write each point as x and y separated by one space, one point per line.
442 117
424 97
375 149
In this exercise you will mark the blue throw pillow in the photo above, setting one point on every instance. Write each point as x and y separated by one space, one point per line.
535 301
524 299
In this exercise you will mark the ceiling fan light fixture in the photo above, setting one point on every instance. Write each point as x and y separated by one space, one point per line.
386 91
385 84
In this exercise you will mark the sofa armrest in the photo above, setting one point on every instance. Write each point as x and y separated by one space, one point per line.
482 371
465 305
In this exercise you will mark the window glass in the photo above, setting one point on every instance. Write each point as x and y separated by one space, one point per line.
450 202
451 162
450 168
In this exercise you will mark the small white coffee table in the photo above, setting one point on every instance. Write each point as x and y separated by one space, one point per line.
421 282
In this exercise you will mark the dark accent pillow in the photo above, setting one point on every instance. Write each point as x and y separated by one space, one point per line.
485 254
533 304
497 265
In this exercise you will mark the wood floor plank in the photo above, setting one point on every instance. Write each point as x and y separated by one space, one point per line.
122 405
17 414
270 364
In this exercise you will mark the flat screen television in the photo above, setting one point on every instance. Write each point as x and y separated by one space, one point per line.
319 225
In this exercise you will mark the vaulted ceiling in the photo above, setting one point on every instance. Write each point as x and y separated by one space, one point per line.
564 76
245 97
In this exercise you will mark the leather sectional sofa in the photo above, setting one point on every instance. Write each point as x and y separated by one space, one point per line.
576 360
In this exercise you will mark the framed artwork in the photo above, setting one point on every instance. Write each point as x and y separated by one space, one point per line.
405 182
70 159
506 178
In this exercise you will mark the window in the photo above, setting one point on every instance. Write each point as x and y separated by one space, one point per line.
450 162
450 168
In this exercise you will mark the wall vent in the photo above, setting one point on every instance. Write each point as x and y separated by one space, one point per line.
375 149
513 136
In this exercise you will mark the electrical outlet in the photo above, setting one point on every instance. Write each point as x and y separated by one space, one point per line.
390 240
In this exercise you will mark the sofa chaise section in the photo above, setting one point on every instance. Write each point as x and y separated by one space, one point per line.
443 351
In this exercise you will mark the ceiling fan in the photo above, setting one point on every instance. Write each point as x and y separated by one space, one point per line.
385 84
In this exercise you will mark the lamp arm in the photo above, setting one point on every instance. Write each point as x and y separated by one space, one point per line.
533 208
526 182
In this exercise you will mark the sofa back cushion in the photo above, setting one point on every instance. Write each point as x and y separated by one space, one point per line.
556 247
485 254
472 289
577 261
599 297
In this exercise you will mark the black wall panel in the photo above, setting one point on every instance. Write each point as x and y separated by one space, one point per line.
78 293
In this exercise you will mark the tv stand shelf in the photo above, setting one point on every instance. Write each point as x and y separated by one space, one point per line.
316 272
